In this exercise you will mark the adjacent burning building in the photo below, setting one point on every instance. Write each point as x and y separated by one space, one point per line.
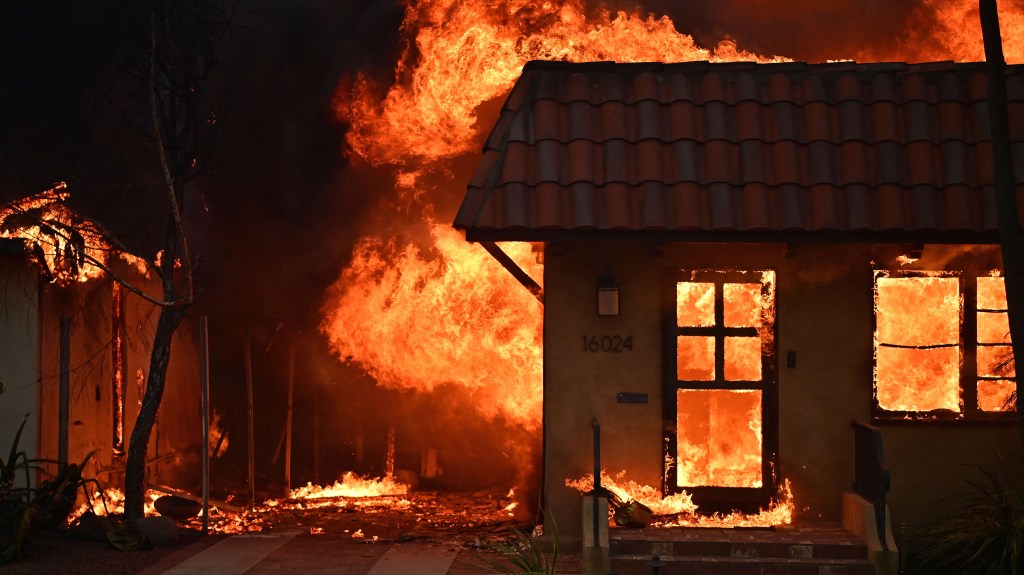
76 348
740 259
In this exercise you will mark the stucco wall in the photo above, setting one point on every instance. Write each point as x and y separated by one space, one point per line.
88 307
177 434
581 385
19 339
825 310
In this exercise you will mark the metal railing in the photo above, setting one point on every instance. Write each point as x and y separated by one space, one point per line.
871 475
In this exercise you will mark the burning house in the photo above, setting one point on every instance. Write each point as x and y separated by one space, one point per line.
741 259
76 347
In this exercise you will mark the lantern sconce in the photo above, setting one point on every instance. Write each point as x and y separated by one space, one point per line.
607 296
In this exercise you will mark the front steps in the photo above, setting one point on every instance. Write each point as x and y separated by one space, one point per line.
803 549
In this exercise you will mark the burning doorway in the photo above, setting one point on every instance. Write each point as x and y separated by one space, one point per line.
720 391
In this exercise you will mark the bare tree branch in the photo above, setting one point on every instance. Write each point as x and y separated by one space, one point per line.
189 294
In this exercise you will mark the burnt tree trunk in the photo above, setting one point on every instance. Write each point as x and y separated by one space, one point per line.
135 467
1011 238
171 314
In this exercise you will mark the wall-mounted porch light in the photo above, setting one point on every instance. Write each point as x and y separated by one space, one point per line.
607 295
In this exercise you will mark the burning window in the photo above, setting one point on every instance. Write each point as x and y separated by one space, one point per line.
932 357
995 370
723 339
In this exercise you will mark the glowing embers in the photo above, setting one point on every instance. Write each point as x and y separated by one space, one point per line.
718 438
917 342
995 367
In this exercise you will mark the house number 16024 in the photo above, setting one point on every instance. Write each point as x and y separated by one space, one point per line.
608 343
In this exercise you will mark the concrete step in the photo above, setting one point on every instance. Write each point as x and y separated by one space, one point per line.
800 549
720 565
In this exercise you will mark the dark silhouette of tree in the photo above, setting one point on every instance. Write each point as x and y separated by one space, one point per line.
166 96
145 114
1011 237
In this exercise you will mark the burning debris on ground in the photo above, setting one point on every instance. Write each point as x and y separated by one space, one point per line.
374 510
679 510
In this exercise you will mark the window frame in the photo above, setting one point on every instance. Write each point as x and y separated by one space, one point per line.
718 498
968 343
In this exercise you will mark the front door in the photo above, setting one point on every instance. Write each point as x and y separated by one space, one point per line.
721 411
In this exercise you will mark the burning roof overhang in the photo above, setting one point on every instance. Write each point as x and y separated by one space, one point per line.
743 152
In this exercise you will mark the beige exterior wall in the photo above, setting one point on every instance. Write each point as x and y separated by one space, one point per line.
19 340
177 435
824 316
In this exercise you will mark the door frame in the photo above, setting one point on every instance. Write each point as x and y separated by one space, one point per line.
722 499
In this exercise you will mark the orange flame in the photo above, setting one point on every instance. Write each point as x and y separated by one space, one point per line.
679 510
994 360
466 53
111 502
718 440
351 485
450 315
917 348
455 317
217 441
69 247
951 30
421 321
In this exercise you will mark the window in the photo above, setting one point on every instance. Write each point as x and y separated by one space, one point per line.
941 346
995 369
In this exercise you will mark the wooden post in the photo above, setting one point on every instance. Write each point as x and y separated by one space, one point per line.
64 399
288 423
204 373
360 439
277 452
389 455
316 445
252 433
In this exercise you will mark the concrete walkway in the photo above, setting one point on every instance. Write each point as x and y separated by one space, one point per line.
232 556
415 559
295 553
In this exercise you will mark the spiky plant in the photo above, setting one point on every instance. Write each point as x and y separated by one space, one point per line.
16 513
522 555
983 536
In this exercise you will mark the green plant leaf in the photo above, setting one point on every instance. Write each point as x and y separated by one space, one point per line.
522 556
8 469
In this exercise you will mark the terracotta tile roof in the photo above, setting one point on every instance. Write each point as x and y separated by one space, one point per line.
743 150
